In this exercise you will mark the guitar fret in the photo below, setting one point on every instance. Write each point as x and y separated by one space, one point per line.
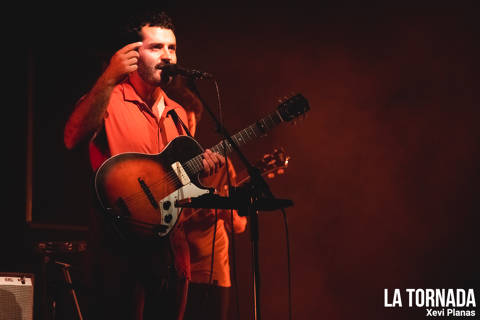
228 145
279 116
271 122
235 139
198 163
247 134
225 144
218 149
187 167
276 119
241 135
260 127
271 119
194 165
265 123
252 128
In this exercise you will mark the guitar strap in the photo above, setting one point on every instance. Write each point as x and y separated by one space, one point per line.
178 121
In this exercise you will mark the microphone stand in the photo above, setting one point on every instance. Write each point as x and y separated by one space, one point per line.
258 188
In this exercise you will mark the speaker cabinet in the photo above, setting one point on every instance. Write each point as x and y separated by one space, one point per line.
16 296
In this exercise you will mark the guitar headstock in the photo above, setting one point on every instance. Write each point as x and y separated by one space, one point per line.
274 163
293 107
271 165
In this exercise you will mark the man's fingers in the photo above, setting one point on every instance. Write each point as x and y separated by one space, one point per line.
130 47
208 165
212 161
132 54
132 61
218 159
131 68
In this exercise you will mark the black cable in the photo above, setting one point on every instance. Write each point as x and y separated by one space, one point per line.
213 246
216 215
232 248
289 274
234 268
232 232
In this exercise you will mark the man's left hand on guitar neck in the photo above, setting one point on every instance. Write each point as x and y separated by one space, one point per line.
212 162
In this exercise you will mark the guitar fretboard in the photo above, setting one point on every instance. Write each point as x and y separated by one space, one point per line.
257 129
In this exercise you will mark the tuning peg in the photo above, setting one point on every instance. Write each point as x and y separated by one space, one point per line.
281 99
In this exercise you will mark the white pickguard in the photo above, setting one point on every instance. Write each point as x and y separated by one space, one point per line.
169 212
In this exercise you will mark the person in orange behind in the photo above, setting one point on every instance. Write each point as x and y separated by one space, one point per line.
208 240
126 111
207 231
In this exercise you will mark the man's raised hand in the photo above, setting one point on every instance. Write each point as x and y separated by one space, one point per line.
123 62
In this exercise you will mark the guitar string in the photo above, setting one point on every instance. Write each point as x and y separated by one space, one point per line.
168 179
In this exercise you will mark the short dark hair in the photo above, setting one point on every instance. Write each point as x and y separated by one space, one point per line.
146 18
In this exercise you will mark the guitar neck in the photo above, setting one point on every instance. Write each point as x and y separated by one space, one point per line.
255 130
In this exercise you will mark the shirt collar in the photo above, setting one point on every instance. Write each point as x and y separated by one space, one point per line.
130 94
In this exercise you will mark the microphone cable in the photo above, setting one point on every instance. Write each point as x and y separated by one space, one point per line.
232 231
213 247
289 273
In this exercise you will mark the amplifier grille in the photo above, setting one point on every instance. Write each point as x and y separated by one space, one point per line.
16 297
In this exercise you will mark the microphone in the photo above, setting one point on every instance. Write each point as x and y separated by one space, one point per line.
174 69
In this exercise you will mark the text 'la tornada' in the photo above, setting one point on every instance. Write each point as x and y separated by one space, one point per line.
435 298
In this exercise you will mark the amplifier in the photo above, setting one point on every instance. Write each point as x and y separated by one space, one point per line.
16 296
